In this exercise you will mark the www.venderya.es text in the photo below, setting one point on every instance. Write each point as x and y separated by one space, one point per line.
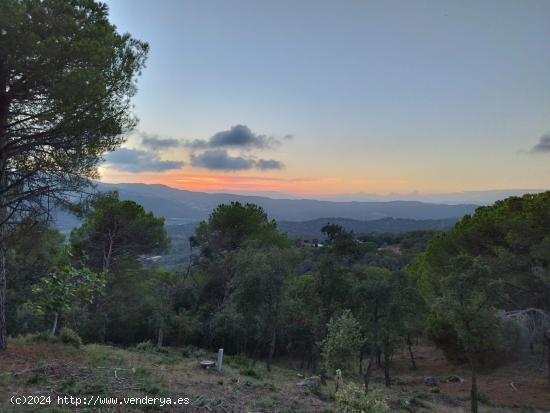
76 401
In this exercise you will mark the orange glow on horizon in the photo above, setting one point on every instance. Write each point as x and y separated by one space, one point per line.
318 186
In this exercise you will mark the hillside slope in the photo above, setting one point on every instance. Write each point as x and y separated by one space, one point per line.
110 376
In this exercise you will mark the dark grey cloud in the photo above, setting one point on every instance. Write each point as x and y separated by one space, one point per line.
219 159
269 164
136 160
239 136
543 146
158 143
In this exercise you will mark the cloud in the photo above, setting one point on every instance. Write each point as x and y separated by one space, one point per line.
136 160
543 146
269 164
157 143
239 136
219 159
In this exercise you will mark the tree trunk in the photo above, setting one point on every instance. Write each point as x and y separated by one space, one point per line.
54 325
160 337
3 253
271 350
548 352
387 370
4 112
3 277
411 354
108 253
473 392
361 362
366 376
3 338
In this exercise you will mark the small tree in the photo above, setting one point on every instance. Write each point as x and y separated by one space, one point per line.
341 346
60 292
164 285
381 300
464 321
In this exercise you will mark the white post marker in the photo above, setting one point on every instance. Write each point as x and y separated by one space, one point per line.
219 360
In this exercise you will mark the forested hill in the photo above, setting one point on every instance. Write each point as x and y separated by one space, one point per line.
181 205
312 228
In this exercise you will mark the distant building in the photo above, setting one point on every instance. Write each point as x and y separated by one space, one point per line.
395 248
307 243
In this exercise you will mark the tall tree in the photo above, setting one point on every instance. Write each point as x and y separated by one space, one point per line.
464 321
259 288
512 237
115 229
66 79
229 229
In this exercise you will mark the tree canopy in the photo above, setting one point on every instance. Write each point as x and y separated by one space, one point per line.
115 229
66 80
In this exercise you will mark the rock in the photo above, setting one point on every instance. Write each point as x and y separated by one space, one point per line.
430 381
310 383
454 379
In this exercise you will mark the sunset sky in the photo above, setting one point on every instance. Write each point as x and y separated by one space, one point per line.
340 97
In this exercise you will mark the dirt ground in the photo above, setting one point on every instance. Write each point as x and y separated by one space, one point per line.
37 368
518 383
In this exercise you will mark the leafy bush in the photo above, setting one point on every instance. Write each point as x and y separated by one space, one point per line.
351 398
342 343
69 336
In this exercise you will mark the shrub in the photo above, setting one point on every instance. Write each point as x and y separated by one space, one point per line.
351 398
250 372
43 336
145 346
342 343
69 336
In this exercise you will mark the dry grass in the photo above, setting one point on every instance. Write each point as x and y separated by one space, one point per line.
53 369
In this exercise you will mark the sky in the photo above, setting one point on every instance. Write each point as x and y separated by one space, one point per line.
322 98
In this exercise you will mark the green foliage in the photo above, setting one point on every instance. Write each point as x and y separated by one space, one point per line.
69 336
343 243
352 398
464 320
114 230
510 238
35 250
230 226
250 372
63 290
259 286
341 346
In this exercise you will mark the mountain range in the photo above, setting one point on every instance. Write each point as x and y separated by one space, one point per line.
183 205
295 216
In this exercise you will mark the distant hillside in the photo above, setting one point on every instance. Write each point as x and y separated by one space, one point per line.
181 205
312 228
